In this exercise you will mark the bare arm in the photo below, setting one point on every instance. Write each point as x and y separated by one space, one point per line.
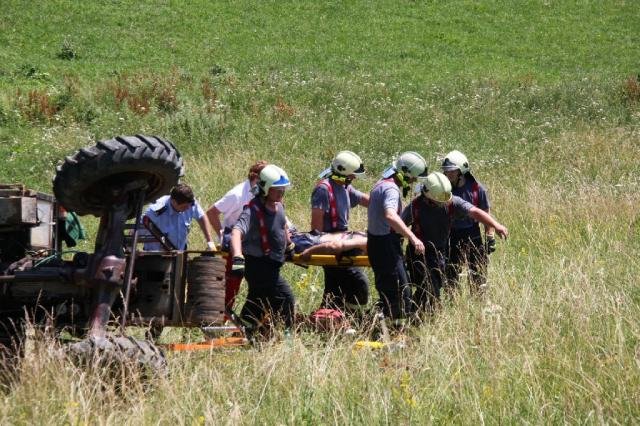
398 225
490 231
330 247
317 219
336 246
213 214
364 201
205 226
488 221
287 235
236 242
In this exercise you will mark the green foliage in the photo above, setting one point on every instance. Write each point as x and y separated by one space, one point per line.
542 97
67 50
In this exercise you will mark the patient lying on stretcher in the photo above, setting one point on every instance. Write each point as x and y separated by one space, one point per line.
347 243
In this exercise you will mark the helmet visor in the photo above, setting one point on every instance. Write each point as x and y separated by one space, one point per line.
360 170
449 166
325 173
389 171
439 199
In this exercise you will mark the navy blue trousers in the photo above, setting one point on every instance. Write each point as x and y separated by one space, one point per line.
268 292
391 280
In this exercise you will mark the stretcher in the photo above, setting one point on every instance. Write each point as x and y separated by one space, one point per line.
313 260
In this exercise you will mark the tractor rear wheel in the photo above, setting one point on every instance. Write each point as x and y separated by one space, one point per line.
87 181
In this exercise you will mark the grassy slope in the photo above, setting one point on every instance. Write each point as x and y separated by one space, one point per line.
418 41
534 93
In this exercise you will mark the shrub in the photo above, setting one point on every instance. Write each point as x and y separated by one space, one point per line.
67 50
631 89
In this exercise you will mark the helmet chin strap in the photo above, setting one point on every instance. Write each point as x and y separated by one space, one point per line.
344 180
406 187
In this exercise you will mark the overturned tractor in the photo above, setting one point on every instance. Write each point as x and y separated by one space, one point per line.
91 293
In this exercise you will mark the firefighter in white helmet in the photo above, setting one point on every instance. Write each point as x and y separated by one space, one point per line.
466 243
345 288
430 215
230 206
260 244
385 231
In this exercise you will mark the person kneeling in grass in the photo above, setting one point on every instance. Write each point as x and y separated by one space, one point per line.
259 245
430 216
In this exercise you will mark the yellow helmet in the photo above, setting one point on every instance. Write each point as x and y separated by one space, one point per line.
437 188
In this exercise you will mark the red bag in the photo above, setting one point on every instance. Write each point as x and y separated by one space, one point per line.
325 319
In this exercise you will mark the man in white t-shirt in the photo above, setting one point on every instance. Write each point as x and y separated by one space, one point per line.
230 206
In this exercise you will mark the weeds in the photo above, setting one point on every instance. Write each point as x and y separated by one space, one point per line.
209 94
631 89
142 92
67 51
32 72
550 127
37 105
282 109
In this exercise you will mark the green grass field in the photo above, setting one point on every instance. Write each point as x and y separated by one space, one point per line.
542 96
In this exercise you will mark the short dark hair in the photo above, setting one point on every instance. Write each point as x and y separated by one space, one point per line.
182 193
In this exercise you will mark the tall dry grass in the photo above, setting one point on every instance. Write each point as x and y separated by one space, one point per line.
554 340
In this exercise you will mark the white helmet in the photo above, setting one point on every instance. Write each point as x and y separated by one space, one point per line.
411 164
437 187
272 176
455 160
347 163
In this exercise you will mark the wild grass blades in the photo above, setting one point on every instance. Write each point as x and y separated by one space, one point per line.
538 95
74 392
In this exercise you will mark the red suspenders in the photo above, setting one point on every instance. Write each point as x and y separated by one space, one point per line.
415 218
333 210
264 236
475 193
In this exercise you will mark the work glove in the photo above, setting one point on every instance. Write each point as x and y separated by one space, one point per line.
491 244
211 246
237 266
289 251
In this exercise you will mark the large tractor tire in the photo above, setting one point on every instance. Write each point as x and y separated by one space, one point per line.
206 290
117 350
86 181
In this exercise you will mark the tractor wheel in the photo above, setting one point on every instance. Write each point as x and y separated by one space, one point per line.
87 181
116 350
206 290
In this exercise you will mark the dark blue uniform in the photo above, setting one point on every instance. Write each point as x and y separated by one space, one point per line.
432 224
384 248
466 246
268 291
343 286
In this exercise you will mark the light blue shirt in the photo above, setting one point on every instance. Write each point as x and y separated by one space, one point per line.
173 223
384 195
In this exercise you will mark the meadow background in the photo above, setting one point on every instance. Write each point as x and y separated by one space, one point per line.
542 96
